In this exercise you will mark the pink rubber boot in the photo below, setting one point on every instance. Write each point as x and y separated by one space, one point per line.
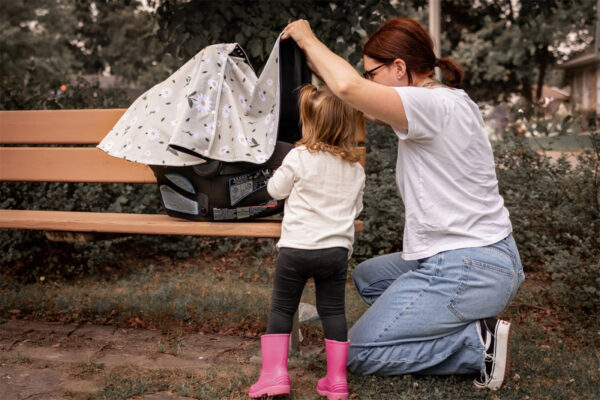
274 378
334 385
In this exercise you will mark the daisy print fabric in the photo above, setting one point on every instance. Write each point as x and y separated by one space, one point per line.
213 107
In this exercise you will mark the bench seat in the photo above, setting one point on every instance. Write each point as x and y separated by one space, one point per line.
150 224
25 156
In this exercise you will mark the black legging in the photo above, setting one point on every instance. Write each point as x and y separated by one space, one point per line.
329 268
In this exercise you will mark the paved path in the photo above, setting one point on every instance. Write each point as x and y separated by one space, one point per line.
42 360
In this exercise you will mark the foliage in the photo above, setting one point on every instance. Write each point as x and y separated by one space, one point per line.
555 210
510 45
187 27
34 47
383 214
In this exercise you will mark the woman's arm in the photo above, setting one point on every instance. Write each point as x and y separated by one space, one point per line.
378 101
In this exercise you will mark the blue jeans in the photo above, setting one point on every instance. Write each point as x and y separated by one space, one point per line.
423 313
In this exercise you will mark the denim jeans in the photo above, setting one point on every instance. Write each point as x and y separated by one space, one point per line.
423 313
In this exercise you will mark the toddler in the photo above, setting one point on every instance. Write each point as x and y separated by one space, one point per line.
322 182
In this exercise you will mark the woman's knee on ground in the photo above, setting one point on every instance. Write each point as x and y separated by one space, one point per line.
360 275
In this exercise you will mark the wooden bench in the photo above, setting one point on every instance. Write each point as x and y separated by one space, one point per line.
80 161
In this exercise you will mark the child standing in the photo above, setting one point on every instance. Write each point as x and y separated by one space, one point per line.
322 182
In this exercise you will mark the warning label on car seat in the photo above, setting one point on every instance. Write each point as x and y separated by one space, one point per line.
243 186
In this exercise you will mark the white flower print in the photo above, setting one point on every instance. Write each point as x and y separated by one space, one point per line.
243 101
202 102
224 150
166 92
212 84
179 104
226 110
261 158
132 121
210 128
128 144
222 56
147 153
153 134
270 82
174 122
271 142
261 95
109 145
195 135
242 139
206 60
268 118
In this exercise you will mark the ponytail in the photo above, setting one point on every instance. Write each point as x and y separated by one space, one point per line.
452 71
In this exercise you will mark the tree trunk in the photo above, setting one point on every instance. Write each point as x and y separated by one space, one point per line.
526 91
543 57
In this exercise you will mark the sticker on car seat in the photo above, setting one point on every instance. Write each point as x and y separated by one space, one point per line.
243 186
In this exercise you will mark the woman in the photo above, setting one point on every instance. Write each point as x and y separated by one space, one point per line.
433 305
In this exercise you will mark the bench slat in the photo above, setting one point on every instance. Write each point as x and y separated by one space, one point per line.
69 164
74 164
75 221
60 126
57 126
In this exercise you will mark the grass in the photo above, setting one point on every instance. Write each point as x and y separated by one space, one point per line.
550 360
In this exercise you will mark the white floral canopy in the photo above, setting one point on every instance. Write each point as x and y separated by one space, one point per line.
213 107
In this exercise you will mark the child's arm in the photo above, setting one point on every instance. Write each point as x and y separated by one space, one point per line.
281 183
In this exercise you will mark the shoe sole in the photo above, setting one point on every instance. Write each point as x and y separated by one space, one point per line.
271 391
502 364
333 396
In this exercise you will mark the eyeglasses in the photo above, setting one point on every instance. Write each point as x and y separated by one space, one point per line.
369 74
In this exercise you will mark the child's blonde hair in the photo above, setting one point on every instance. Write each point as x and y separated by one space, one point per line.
329 124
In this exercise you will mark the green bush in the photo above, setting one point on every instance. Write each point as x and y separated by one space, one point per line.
555 211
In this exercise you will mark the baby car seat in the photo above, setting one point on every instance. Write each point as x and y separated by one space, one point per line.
224 191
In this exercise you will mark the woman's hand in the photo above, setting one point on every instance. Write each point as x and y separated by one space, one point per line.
299 31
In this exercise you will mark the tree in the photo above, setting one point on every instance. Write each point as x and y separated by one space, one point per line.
115 35
34 47
514 43
188 27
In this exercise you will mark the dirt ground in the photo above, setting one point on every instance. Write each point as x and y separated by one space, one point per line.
43 360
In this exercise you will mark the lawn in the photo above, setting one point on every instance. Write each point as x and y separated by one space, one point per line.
228 296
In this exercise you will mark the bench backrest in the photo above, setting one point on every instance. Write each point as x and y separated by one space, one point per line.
78 160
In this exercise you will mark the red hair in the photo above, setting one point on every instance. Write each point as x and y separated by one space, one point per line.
406 39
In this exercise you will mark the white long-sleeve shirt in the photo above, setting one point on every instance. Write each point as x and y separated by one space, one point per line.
323 195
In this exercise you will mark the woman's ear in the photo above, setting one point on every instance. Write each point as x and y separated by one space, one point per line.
399 68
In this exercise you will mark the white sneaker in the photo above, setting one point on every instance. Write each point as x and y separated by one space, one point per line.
494 335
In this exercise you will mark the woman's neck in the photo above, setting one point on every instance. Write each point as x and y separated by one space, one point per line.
422 81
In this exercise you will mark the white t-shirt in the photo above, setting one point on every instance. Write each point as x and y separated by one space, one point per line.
445 174
323 198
